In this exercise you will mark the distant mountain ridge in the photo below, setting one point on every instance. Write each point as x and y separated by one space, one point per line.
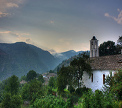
66 62
19 58
67 54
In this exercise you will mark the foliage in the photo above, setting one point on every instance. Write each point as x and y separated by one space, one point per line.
52 82
12 85
81 91
109 48
10 101
114 84
72 74
97 100
32 90
50 102
71 89
31 75
40 78
23 78
51 71
65 76
80 66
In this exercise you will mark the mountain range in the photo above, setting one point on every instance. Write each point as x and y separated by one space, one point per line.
19 58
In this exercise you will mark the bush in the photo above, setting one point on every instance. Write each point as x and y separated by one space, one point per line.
50 102
114 84
80 91
98 100
9 101
71 89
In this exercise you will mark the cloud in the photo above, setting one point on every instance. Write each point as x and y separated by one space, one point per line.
5 32
10 36
107 15
5 5
3 14
117 19
11 5
52 22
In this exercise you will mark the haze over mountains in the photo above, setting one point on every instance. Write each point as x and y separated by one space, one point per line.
19 58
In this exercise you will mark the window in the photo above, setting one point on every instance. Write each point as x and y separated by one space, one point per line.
103 78
92 78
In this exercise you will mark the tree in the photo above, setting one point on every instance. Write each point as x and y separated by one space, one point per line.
52 82
115 84
107 48
72 74
32 90
40 78
119 41
12 85
31 75
65 76
119 45
10 101
80 65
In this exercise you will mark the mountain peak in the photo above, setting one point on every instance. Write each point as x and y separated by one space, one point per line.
20 43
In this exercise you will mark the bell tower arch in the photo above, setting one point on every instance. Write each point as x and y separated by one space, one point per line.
94 50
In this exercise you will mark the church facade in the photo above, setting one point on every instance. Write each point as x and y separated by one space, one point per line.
101 67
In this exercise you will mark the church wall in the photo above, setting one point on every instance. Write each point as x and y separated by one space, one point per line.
97 79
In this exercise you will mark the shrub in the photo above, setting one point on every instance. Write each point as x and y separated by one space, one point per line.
9 101
80 91
71 89
50 102
99 100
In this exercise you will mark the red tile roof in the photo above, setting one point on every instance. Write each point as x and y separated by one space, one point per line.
112 62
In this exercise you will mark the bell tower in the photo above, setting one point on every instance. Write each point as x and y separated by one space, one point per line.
94 50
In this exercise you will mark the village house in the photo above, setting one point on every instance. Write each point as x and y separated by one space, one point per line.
101 66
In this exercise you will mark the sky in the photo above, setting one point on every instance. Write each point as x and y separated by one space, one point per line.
60 25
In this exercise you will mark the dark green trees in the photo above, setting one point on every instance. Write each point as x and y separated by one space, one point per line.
31 75
32 90
12 85
72 74
11 99
65 77
80 66
107 48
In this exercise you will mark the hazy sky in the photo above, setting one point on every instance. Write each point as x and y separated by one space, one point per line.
60 25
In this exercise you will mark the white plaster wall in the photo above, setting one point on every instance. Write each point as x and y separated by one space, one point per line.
97 79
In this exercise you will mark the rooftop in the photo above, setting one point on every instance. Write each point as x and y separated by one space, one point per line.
112 62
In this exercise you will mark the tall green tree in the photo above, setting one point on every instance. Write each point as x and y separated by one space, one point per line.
9 101
52 82
12 85
31 75
72 75
65 76
80 66
40 78
32 90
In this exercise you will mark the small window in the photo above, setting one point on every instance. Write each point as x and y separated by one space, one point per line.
103 78
92 78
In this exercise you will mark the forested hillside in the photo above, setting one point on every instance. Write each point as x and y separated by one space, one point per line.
19 58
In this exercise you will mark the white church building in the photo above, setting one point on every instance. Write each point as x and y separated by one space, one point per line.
101 66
